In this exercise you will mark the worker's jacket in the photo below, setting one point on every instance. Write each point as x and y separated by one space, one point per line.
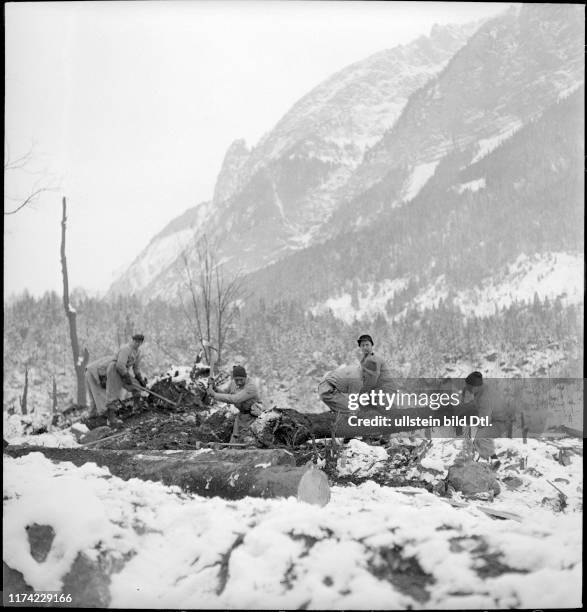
97 368
375 374
492 402
345 379
243 398
128 358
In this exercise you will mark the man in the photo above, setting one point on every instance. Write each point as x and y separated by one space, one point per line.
245 396
96 384
336 386
479 394
375 373
119 379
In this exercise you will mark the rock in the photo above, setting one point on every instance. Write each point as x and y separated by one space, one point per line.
40 540
97 434
88 581
512 482
472 478
491 357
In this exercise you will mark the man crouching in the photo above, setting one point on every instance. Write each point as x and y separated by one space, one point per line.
245 396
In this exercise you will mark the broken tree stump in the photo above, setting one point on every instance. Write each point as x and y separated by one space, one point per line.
229 473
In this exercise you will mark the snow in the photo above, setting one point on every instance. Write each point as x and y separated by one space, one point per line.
421 174
360 459
565 93
550 275
285 554
471 186
487 145
372 299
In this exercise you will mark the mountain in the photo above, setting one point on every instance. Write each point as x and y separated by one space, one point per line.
274 199
447 171
511 69
510 224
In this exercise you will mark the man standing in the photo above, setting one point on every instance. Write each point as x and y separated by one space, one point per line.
487 403
119 379
375 373
245 396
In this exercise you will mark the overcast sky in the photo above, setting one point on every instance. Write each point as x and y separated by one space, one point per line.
129 108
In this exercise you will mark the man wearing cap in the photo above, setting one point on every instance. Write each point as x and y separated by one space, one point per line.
375 373
244 394
119 379
477 393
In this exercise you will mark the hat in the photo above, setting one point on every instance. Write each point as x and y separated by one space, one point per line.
139 337
475 379
239 372
365 337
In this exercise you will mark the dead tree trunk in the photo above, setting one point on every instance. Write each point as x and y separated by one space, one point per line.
25 390
54 399
80 361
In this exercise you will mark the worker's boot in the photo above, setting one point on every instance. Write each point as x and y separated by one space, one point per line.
112 414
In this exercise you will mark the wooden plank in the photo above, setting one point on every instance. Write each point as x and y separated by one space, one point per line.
501 514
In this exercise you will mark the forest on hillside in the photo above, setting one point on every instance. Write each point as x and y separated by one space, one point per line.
282 343
531 203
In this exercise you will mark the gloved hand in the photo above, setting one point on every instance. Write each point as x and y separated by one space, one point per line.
126 379
142 380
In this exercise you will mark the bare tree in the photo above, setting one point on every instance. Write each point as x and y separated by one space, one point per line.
22 164
213 295
23 397
80 361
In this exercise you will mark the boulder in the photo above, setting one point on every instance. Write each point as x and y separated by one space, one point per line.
472 478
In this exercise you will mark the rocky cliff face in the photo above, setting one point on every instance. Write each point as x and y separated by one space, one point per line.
405 154
275 198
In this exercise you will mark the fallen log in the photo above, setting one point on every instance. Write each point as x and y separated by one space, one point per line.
228 473
289 427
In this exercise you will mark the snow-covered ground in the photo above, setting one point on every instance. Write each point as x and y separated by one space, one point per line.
549 275
471 185
371 547
421 174
372 300
487 145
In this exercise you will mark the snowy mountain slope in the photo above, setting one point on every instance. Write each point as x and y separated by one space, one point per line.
276 197
510 70
163 251
547 275
371 547
468 222
478 168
